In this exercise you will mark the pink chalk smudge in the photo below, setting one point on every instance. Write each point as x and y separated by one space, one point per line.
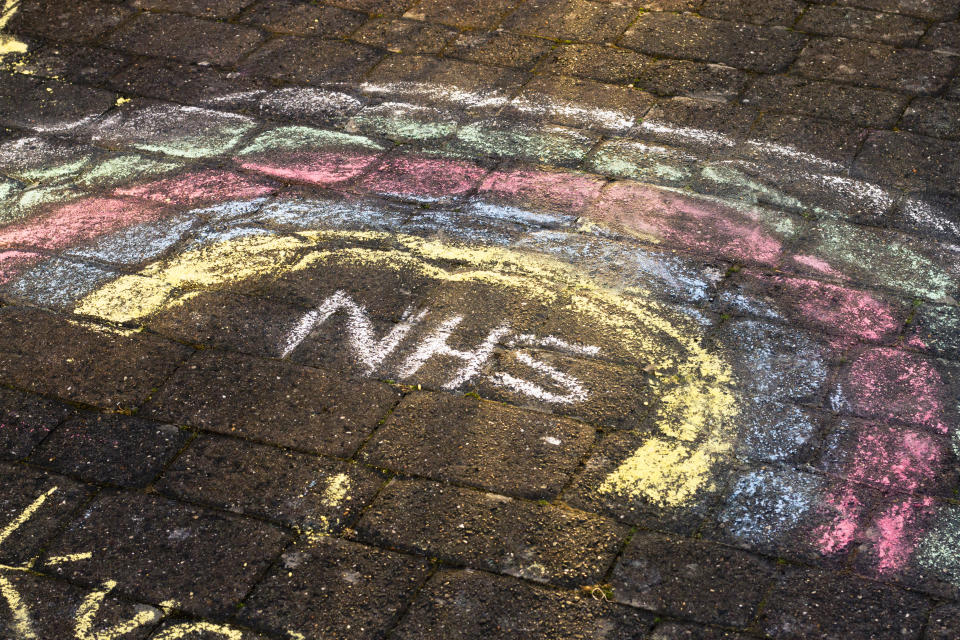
13 262
80 221
322 169
892 384
197 188
687 222
836 536
898 531
839 309
566 192
895 458
423 177
916 342
818 265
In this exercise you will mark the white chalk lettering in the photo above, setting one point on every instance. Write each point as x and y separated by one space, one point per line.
575 391
368 350
435 344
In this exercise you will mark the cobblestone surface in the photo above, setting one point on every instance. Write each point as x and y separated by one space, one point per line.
409 319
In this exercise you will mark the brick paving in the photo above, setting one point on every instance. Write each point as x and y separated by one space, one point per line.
479 318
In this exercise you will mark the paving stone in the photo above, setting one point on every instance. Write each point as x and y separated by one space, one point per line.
309 106
376 7
649 163
57 282
542 543
465 14
202 8
175 627
470 441
902 158
874 386
185 38
669 5
498 48
738 45
225 320
310 60
692 79
891 458
405 123
591 492
933 117
26 420
690 579
300 19
81 21
48 105
831 145
187 132
912 557
582 103
34 506
579 20
793 514
705 125
937 327
549 145
404 36
56 609
932 214
926 9
868 107
597 62
109 448
876 65
661 77
72 63
563 193
893 29
140 243
317 496
84 365
944 37
944 622
422 179
274 402
334 588
183 82
615 395
811 603
468 604
776 12
462 86
679 631
157 550
793 188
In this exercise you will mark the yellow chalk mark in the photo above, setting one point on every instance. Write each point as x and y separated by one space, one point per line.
8 43
88 609
25 515
22 623
73 557
696 402
334 495
336 491
135 296
185 629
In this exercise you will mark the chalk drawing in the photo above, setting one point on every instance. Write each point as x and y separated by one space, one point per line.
639 261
